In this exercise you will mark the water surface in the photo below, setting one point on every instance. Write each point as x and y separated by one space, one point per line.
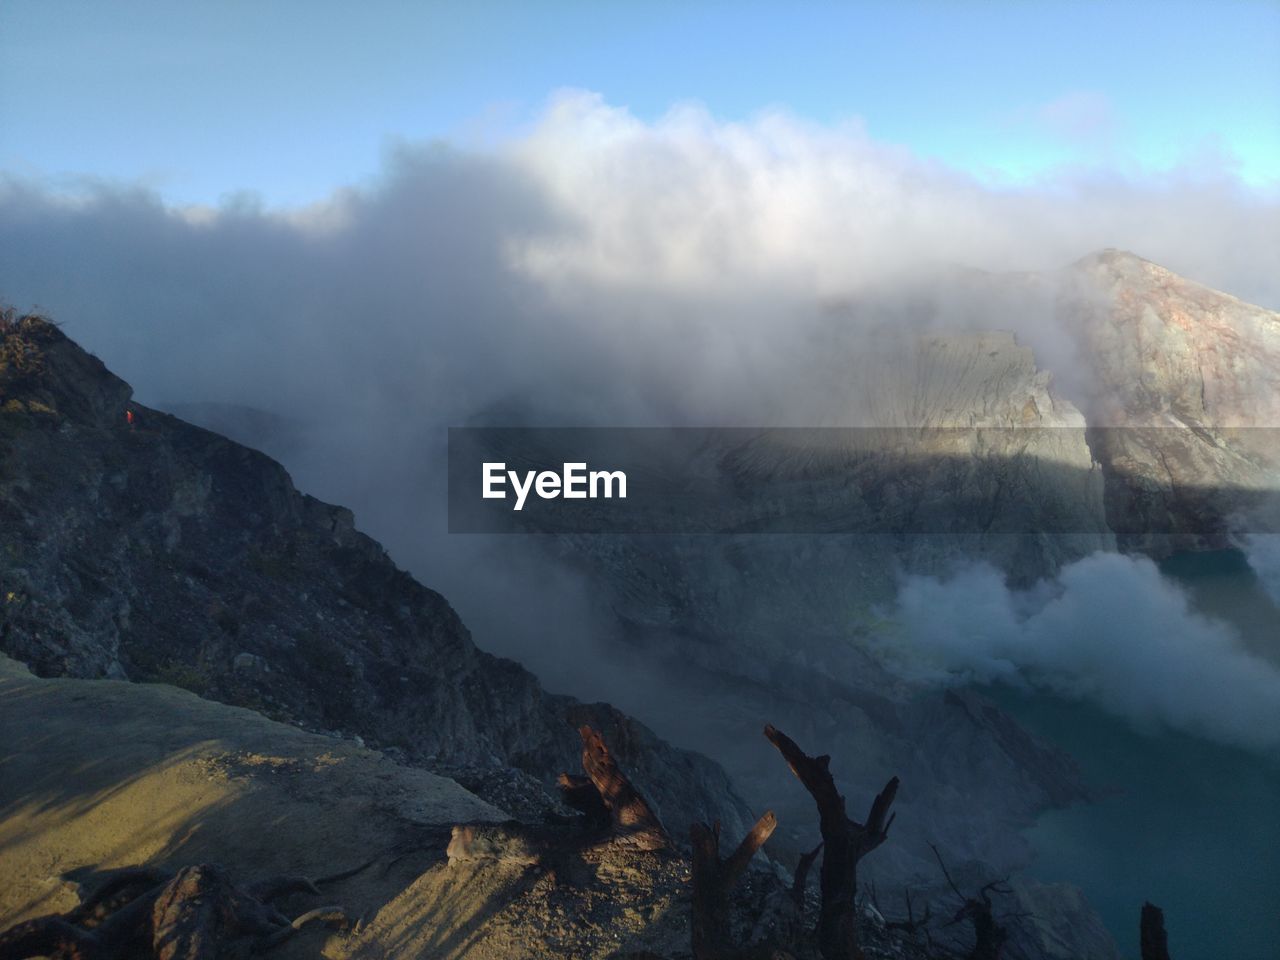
1190 825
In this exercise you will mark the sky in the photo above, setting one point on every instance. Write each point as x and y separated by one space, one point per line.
286 101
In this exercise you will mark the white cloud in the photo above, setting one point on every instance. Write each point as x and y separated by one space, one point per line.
693 203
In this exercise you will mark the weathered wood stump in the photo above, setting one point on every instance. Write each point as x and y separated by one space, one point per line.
713 880
630 814
1152 938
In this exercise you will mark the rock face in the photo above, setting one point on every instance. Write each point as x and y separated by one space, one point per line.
138 546
104 774
1184 400
1166 350
100 775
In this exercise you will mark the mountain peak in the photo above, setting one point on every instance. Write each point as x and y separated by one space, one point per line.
45 372
1120 262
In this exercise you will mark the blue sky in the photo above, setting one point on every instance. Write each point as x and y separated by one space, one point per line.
290 100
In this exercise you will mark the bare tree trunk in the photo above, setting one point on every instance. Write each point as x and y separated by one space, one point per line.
631 814
713 879
845 843
1151 933
989 935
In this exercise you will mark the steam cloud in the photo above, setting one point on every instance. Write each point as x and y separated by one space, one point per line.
1109 628
620 271
1263 553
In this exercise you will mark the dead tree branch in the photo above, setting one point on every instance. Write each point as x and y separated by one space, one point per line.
846 842
713 880
990 935
910 924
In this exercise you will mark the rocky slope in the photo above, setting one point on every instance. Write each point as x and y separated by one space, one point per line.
1183 395
138 546
104 774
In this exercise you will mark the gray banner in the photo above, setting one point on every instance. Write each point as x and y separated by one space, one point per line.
1004 480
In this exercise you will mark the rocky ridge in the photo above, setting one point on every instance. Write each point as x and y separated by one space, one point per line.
1183 401
138 546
